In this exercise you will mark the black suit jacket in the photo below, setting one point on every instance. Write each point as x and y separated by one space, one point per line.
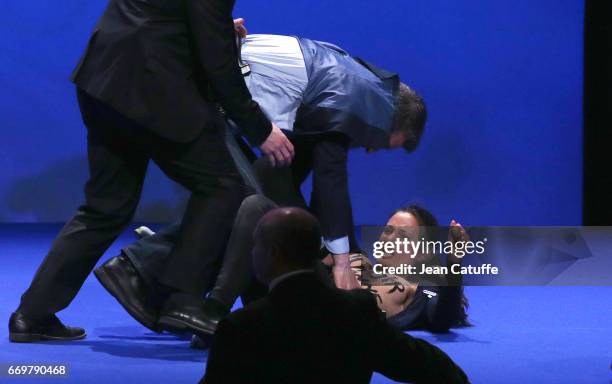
155 61
307 332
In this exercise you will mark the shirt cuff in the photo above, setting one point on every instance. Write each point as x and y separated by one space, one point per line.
337 246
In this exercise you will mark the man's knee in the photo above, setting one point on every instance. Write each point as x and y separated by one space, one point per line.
105 216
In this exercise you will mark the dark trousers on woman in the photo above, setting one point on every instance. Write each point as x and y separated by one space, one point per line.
119 152
233 276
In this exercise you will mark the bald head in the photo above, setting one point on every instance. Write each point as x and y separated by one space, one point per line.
285 239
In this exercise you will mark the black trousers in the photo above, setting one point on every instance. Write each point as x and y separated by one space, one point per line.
234 275
118 152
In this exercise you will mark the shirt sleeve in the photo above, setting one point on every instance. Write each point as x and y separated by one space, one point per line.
330 199
337 246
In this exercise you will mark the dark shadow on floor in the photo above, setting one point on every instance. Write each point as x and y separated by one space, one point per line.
137 343
149 350
136 333
451 337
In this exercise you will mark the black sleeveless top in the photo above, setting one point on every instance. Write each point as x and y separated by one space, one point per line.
434 306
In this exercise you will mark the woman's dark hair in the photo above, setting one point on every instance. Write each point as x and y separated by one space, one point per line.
427 220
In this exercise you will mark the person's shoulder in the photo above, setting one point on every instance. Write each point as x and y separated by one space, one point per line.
363 297
357 300
253 312
354 311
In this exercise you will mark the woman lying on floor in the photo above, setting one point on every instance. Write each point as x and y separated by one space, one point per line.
432 305
435 303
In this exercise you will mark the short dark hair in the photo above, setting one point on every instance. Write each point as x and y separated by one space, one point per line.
294 232
410 115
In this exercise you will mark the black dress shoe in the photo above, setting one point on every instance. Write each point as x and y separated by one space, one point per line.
183 312
214 311
123 282
24 330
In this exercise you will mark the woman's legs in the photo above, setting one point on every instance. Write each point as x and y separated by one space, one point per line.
235 275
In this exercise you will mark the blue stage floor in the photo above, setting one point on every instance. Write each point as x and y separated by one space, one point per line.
521 334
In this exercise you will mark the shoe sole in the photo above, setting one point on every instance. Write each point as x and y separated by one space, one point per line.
34 337
176 325
111 287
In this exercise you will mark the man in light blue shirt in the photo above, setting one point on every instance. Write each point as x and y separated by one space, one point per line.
317 93
326 102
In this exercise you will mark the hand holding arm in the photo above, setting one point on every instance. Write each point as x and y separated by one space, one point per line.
278 148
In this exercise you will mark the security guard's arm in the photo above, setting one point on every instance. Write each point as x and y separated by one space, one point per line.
212 28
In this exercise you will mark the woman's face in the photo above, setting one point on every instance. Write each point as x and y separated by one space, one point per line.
402 225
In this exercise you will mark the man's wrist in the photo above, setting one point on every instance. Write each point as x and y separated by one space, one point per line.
341 260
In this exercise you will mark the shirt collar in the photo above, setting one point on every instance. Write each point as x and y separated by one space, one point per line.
285 276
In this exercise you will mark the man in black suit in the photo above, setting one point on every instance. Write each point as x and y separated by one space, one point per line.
144 87
305 331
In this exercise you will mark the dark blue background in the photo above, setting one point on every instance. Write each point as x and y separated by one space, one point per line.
502 80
